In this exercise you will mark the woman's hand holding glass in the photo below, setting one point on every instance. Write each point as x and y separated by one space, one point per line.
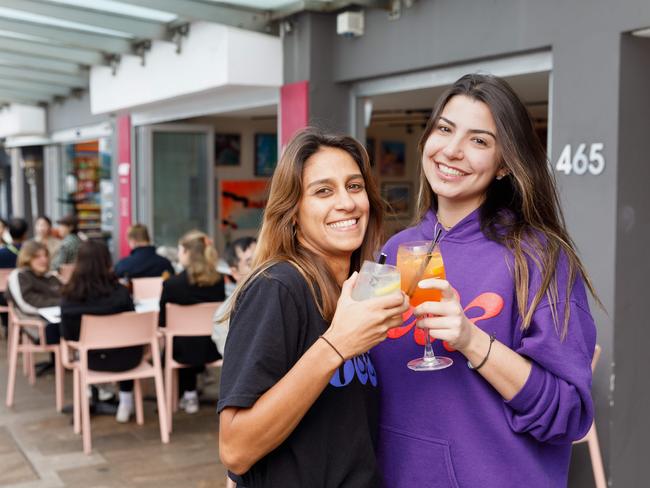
445 320
358 326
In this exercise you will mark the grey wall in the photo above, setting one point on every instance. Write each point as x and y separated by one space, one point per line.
606 214
73 112
307 56
629 446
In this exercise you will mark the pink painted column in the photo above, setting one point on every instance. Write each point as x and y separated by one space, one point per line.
124 185
294 109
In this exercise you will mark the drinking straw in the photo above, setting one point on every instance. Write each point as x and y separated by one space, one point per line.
425 263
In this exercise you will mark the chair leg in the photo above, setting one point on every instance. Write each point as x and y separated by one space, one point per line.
76 407
168 394
596 459
175 389
58 379
25 357
13 363
162 408
85 416
31 368
137 390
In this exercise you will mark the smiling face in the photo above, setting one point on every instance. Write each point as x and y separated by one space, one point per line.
333 211
461 156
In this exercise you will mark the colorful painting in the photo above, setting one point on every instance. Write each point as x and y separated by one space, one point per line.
227 149
266 154
392 159
398 197
242 204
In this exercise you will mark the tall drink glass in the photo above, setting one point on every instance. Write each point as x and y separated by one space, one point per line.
376 280
415 263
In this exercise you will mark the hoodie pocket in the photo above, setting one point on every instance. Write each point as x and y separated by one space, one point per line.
408 460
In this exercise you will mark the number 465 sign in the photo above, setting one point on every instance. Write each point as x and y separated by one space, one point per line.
581 161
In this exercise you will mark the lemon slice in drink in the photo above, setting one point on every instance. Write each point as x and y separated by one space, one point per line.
385 290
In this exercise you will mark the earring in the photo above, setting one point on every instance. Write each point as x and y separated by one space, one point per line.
500 177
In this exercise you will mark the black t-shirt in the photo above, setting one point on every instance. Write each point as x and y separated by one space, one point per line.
274 322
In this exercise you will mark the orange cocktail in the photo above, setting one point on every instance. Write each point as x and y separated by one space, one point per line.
409 263
418 261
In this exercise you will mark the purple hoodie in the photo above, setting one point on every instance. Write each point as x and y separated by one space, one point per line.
451 428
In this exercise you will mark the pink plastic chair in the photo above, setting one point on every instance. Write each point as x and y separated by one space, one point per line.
65 272
592 440
147 288
109 331
183 321
20 343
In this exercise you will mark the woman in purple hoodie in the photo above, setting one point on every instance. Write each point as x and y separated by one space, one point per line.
513 317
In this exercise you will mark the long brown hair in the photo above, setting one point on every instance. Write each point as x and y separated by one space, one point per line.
202 266
521 211
278 240
92 276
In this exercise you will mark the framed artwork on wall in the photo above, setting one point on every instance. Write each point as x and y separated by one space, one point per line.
266 154
398 196
227 149
392 160
242 204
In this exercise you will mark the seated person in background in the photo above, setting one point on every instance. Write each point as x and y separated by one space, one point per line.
93 289
31 286
9 251
198 283
43 233
239 256
143 262
70 244
4 232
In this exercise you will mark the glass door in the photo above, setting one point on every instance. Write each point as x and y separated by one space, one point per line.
174 192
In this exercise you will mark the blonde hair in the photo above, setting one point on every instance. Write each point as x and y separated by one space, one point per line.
201 268
278 240
28 251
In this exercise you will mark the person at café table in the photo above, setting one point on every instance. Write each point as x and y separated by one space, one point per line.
32 286
143 262
199 282
93 289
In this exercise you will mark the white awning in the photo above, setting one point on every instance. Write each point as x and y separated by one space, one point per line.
214 60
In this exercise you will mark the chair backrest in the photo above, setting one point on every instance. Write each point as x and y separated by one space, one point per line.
4 278
596 356
190 320
117 330
65 272
147 288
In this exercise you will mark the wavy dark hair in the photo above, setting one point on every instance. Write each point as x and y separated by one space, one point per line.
278 240
93 275
521 211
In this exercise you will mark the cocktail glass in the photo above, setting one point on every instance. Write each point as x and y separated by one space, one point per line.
417 261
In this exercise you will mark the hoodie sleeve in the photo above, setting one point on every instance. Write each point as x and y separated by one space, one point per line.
555 403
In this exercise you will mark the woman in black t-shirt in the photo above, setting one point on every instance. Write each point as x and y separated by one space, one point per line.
298 390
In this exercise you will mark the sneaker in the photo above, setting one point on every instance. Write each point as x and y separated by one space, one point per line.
189 404
124 413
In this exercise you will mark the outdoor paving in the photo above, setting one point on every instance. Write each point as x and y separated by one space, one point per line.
38 448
